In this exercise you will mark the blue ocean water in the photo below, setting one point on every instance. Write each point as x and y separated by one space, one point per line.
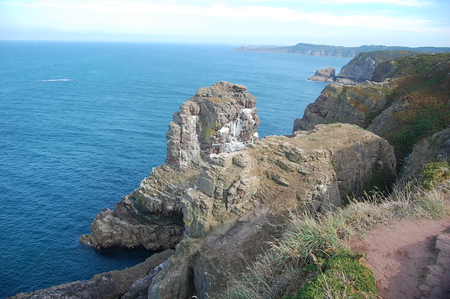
81 124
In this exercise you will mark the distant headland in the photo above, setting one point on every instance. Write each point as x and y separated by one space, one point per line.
335 51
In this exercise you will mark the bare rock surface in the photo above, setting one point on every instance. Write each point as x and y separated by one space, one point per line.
341 103
109 285
437 281
214 199
243 199
324 75
217 119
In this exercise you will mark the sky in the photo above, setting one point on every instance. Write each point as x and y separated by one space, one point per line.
410 23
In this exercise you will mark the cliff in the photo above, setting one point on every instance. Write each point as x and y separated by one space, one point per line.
409 104
223 194
362 68
324 75
209 196
335 51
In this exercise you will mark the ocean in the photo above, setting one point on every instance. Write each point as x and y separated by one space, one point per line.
82 123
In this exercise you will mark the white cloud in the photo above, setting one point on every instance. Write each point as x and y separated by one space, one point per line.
411 3
147 13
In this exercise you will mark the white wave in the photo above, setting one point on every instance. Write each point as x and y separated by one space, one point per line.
55 80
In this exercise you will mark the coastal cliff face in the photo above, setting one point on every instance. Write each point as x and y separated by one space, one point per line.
324 75
131 283
214 200
342 103
411 104
243 199
223 195
362 67
335 51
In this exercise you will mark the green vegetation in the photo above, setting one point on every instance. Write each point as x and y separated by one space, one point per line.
435 173
342 275
369 117
413 65
421 114
380 56
422 99
312 260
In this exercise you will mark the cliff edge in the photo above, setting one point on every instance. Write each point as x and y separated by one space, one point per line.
223 191
223 194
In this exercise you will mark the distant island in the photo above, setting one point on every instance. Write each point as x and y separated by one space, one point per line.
335 51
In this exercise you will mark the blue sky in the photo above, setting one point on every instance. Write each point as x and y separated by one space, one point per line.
265 22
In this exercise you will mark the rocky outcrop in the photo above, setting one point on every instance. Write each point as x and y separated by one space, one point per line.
363 66
431 149
324 75
341 103
218 119
409 106
131 283
109 230
217 200
242 200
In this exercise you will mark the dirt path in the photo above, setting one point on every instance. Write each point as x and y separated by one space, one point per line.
399 256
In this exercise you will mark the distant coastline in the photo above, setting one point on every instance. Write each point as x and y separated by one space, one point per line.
334 51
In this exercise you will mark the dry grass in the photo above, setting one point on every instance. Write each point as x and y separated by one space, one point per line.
285 266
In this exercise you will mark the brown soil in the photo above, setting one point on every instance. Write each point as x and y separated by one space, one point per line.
399 255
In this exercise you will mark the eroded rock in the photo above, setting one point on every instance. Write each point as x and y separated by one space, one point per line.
324 75
283 175
217 119
341 103
130 283
215 202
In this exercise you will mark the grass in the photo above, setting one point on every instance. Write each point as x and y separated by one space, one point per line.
435 173
312 260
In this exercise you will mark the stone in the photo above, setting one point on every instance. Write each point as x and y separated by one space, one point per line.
107 285
340 103
324 75
248 213
217 119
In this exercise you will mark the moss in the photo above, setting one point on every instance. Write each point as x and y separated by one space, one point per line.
208 132
340 275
